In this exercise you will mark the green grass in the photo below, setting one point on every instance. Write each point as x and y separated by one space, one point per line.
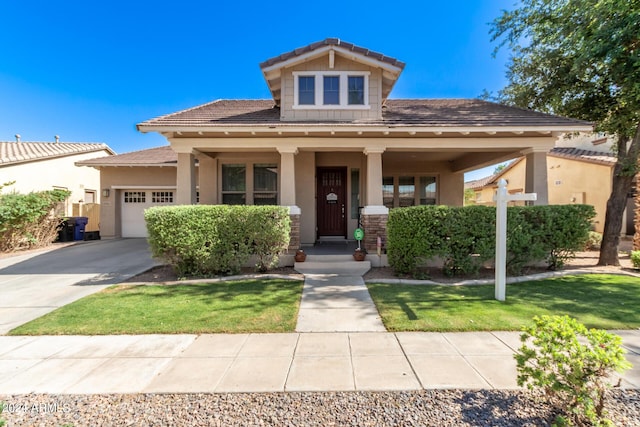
598 301
229 307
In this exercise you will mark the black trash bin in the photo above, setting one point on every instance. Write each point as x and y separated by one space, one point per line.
79 224
65 231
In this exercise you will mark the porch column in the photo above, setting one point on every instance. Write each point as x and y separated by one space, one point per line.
287 177
374 177
536 176
374 213
208 179
186 179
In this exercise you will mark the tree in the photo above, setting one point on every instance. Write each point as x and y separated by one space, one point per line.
499 168
581 58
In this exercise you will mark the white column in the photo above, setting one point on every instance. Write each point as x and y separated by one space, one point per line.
186 179
536 176
288 176
374 202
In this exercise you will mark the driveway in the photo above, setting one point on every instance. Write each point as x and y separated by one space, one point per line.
36 283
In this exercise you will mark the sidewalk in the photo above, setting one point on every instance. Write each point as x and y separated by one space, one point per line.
267 362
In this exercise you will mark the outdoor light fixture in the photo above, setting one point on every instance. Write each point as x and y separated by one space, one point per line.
105 192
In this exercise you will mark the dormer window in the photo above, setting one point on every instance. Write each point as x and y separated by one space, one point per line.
331 90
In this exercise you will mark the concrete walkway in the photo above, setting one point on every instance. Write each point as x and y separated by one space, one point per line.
335 297
267 362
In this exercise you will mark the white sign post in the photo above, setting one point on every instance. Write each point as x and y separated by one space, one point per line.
501 198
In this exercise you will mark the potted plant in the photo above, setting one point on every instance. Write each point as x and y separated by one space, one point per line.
300 256
359 254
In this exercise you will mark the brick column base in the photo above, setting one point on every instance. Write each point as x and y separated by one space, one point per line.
294 236
374 226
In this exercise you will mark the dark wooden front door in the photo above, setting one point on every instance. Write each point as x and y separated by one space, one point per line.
331 201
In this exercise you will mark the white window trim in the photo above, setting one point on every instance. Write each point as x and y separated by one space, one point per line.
344 90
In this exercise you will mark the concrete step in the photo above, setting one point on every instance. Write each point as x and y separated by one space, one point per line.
332 264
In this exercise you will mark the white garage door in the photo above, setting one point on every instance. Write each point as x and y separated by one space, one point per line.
134 202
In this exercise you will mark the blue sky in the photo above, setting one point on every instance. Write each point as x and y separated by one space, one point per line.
89 71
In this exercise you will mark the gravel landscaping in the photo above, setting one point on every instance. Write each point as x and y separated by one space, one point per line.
406 408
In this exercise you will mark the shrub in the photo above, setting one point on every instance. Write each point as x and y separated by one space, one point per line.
464 237
414 234
29 221
571 364
2 421
470 239
205 240
635 259
594 241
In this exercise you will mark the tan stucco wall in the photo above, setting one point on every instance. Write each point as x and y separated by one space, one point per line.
322 64
55 173
573 181
569 181
129 177
515 178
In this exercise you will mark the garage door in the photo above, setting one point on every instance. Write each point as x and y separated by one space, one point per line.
134 202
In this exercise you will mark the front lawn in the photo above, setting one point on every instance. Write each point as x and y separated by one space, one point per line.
598 301
229 307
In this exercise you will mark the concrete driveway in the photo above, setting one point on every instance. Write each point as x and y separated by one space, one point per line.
36 283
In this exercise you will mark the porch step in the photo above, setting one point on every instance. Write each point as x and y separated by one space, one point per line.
343 265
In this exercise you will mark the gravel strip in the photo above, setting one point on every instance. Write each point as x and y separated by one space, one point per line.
406 408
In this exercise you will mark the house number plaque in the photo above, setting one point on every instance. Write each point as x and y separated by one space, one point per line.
332 198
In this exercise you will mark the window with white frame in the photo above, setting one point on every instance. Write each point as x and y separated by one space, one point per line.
409 190
331 89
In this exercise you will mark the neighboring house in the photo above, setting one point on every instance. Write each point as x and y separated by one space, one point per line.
575 175
38 166
329 145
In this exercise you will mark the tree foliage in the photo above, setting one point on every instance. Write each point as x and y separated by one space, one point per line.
580 58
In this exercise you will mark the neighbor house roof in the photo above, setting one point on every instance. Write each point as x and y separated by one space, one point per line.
272 68
159 156
22 152
433 113
584 155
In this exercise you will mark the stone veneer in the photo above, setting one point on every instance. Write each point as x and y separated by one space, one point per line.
294 237
374 226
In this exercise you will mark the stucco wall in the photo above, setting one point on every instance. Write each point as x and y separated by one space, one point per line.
569 181
573 181
288 113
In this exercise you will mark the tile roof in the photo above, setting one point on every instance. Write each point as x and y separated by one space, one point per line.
396 112
584 155
332 42
21 152
159 156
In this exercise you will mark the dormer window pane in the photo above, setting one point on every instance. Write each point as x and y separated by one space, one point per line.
356 90
331 90
306 90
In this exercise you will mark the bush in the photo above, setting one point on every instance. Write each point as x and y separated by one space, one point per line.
571 364
414 234
635 259
594 241
470 239
464 237
29 221
211 240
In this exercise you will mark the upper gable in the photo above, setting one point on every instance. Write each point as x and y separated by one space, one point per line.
331 80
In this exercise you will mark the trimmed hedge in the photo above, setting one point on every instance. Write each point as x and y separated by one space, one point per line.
217 239
464 237
28 221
